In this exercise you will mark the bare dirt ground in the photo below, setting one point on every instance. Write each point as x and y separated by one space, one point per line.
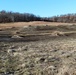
36 48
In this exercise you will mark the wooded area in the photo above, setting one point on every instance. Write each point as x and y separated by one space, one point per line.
6 17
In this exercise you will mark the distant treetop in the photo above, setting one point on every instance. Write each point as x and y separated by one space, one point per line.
26 17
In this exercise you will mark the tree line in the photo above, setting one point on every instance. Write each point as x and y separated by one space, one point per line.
6 17
17 17
68 18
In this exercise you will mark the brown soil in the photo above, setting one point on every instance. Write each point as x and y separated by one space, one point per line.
38 48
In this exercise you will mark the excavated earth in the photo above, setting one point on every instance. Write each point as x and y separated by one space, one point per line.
38 50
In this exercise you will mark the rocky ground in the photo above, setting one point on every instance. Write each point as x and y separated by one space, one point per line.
38 50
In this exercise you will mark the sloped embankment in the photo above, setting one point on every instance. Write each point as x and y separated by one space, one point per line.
35 33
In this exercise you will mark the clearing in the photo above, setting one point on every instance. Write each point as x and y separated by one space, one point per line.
38 48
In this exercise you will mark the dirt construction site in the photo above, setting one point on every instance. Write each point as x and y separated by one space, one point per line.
38 48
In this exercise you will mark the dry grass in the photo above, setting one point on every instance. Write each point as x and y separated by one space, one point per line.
34 23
